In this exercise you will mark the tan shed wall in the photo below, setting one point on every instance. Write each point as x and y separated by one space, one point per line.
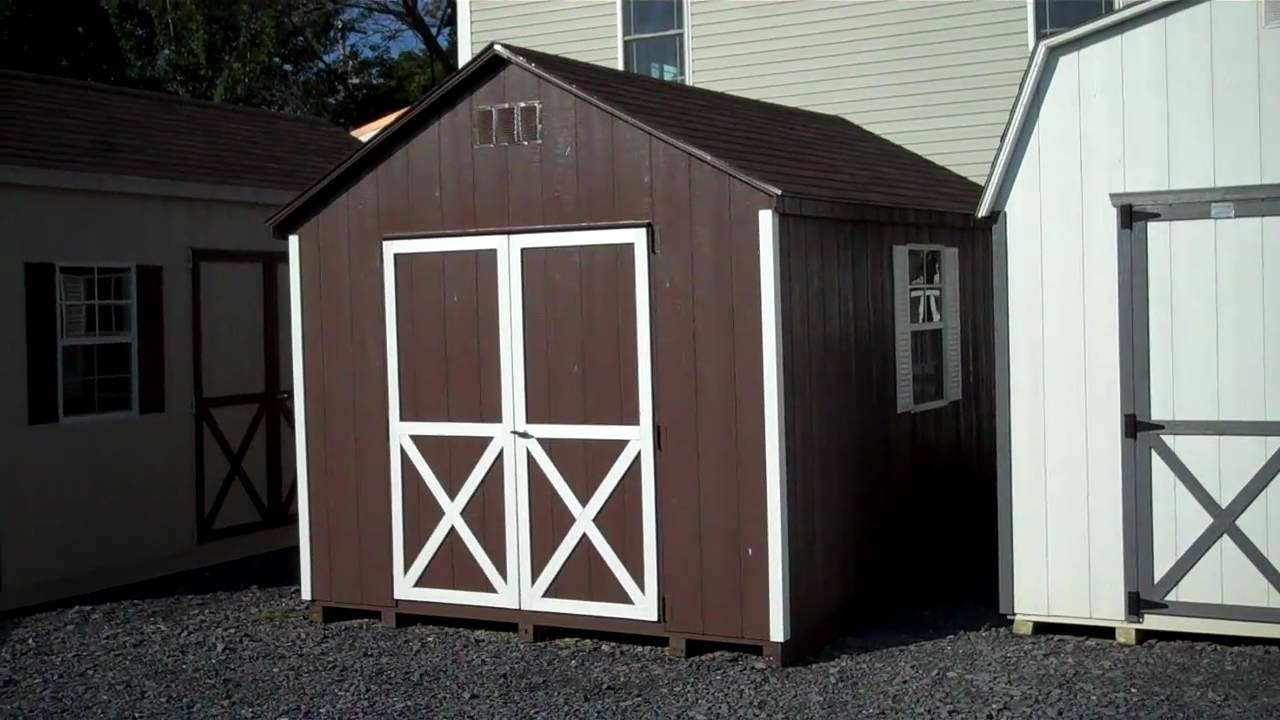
96 502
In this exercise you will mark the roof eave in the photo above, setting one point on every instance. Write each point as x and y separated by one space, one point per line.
1031 85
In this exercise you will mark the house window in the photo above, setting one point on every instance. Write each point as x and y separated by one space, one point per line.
96 353
653 38
927 319
1054 16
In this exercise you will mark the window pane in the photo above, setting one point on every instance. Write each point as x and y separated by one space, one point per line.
77 284
926 366
641 17
115 360
114 394
926 306
659 57
75 320
113 284
113 319
77 379
1055 15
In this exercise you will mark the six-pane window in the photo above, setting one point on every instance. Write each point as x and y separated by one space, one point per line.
96 338
653 39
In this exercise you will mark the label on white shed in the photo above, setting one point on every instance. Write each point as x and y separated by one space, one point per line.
1222 210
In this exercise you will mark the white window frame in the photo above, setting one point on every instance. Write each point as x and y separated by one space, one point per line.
685 6
941 324
132 335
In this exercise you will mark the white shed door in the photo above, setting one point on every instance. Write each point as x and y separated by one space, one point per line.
1208 506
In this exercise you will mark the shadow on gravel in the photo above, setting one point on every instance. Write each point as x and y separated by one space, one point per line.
909 628
274 569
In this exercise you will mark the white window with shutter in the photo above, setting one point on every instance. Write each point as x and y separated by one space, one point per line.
926 301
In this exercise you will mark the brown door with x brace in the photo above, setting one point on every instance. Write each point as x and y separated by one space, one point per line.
245 479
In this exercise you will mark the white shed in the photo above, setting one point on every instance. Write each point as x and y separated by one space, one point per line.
1137 275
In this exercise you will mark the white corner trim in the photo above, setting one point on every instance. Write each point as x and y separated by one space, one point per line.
775 450
299 418
688 42
1031 86
617 23
462 35
1031 24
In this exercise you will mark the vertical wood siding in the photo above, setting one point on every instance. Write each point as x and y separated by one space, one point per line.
887 507
1187 97
708 400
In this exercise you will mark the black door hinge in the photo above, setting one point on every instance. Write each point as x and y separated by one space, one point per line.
1133 426
654 249
657 438
1135 604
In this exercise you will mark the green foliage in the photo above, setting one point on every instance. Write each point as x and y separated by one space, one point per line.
313 57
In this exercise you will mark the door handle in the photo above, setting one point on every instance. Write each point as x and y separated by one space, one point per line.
522 434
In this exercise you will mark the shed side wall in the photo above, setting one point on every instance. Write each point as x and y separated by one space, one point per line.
1187 98
589 168
888 509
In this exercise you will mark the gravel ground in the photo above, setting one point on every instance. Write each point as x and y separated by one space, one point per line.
250 653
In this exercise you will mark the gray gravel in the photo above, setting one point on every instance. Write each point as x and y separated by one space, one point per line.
251 654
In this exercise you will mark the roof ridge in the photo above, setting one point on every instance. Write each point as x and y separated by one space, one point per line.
667 84
109 89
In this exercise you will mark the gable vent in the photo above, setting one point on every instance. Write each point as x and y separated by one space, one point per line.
530 116
508 124
1271 13
484 126
505 124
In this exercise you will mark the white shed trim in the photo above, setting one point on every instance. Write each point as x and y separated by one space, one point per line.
299 419
1031 85
775 444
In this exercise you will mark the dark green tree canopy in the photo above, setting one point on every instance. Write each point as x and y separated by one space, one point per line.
348 61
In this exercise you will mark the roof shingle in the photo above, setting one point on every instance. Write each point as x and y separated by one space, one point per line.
799 152
69 125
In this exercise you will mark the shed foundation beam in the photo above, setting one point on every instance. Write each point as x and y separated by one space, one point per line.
1129 636
1024 627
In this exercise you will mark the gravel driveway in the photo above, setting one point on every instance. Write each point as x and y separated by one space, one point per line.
250 653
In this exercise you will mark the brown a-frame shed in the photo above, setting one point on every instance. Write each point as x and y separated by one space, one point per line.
582 349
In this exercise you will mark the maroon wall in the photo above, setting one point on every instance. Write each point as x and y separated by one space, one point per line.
590 168
887 510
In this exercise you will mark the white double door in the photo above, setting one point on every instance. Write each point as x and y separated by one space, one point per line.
520 417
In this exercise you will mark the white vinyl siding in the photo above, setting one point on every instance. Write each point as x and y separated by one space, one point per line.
1175 100
585 30
936 77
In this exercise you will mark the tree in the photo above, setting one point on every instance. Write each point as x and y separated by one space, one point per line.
345 60
433 23
73 39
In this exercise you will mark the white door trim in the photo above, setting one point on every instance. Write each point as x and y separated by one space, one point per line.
506 589
644 600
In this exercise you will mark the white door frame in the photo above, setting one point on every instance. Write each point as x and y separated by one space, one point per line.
639 448
517 442
501 443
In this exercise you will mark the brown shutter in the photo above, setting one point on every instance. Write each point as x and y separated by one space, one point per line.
150 310
42 343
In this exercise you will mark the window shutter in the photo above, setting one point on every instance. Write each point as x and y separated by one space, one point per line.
150 311
902 328
42 343
951 322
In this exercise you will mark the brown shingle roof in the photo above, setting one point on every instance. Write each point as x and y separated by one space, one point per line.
78 126
799 152
783 150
